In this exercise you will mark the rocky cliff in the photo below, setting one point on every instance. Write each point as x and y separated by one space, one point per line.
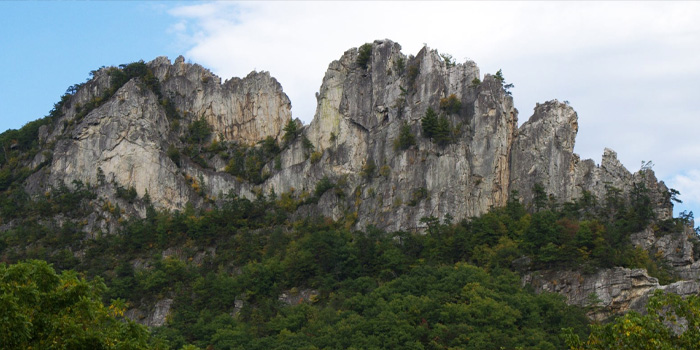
352 140
174 134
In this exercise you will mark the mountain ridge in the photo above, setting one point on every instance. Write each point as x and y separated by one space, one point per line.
398 142
359 116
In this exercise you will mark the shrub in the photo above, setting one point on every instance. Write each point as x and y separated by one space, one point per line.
129 194
400 65
290 131
306 143
364 55
174 155
437 129
316 156
449 61
443 135
417 195
450 104
429 123
502 80
413 71
269 146
322 186
385 171
405 139
368 169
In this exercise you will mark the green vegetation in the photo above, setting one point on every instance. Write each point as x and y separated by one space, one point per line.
406 138
248 163
40 309
291 130
412 75
449 60
437 129
650 331
364 55
451 286
368 169
475 82
502 80
450 104
400 65
174 154
322 186
199 131
129 194
417 195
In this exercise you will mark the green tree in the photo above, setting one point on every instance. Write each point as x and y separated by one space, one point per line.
405 139
429 123
502 80
41 309
290 131
539 196
443 133
199 131
364 55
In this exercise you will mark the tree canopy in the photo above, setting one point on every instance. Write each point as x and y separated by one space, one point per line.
41 309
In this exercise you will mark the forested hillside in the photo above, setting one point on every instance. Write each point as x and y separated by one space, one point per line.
158 208
249 275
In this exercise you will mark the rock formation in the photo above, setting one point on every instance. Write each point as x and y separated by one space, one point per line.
360 113
609 291
137 137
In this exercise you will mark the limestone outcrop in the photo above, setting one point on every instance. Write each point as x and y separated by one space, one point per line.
354 140
608 291
366 139
244 110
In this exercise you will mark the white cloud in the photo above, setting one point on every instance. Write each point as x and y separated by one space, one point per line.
688 184
630 69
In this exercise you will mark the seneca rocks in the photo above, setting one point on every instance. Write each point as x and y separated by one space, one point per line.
359 115
360 112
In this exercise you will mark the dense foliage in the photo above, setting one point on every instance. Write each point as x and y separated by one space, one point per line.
454 286
40 309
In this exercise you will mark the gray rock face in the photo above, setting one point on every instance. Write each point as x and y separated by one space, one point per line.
355 137
607 292
154 318
676 249
128 135
543 152
125 138
243 110
360 113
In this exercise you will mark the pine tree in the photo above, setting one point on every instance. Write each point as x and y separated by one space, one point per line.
429 122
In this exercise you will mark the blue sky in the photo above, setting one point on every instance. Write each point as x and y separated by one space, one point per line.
47 46
630 69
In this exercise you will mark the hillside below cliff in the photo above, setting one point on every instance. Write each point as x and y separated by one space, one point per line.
150 173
